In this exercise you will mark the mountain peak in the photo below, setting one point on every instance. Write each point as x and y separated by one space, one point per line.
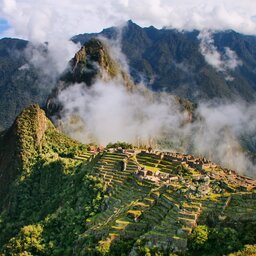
20 143
28 131
93 61
131 23
33 121
90 62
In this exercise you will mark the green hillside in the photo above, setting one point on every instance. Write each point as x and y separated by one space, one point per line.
50 189
59 197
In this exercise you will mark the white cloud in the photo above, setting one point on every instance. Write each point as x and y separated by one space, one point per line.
57 21
111 114
45 19
231 60
107 112
222 62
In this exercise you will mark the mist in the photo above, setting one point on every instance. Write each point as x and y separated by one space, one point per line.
222 62
55 22
110 113
48 61
107 112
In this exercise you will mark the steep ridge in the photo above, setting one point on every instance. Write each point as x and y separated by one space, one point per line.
91 62
19 144
171 60
70 199
38 166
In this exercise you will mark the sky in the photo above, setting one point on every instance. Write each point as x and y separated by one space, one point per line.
3 25
41 20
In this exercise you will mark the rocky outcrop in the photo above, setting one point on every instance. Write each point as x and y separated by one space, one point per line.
93 61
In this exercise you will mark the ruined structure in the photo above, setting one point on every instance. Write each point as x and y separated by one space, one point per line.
161 196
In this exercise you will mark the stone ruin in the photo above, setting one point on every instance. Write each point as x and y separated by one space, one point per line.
157 176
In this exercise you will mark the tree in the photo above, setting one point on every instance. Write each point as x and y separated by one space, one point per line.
199 237
249 250
27 242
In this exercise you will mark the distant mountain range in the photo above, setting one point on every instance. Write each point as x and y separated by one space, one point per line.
172 61
165 59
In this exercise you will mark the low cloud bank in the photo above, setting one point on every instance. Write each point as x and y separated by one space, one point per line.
222 62
107 112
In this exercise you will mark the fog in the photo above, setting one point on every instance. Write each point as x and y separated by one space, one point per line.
107 112
222 62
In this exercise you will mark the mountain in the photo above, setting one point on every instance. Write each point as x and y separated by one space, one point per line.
19 86
60 197
40 172
171 60
166 59
91 62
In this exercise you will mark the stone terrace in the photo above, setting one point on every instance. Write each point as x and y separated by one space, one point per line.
158 198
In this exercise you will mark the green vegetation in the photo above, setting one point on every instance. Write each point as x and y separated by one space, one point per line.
52 195
29 239
199 237
118 144
221 240
249 250
214 241
59 199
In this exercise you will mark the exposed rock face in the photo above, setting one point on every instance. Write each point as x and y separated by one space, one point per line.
90 63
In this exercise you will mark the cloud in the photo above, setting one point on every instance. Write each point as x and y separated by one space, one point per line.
44 19
110 113
220 61
219 133
57 21
107 112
